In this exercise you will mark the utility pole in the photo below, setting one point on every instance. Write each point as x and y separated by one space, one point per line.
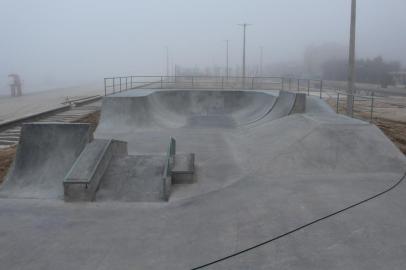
351 60
167 62
261 62
172 66
244 25
227 68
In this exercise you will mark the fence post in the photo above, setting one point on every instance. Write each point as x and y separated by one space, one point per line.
338 101
161 82
120 84
252 83
126 83
131 82
298 85
114 85
308 87
372 105
353 100
321 88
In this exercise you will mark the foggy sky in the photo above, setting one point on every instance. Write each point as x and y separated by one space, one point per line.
57 43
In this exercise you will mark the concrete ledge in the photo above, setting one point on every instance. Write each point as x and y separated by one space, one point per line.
83 180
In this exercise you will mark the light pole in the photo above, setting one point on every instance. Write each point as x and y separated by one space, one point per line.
261 62
227 68
351 60
167 62
244 25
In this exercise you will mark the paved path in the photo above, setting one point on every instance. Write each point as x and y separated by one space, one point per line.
16 107
11 136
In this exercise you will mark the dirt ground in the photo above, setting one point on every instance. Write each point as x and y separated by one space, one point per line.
7 154
6 159
394 129
92 119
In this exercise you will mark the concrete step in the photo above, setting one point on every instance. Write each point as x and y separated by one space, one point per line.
82 181
17 130
7 142
51 120
183 168
9 138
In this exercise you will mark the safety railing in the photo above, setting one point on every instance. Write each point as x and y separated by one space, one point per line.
309 86
373 107
114 85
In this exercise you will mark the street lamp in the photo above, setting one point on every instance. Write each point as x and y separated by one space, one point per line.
244 25
261 60
227 68
351 61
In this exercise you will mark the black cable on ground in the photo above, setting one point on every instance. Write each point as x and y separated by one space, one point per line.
301 227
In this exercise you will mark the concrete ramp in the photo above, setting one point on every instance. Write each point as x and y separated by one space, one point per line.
180 108
45 154
286 103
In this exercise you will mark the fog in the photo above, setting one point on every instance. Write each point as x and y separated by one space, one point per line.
54 43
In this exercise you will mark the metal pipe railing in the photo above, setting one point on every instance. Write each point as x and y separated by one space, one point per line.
124 83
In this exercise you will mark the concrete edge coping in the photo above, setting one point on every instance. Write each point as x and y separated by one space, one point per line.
99 160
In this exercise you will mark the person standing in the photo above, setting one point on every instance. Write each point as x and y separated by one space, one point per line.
15 86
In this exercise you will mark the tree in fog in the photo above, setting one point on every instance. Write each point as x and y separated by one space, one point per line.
315 56
375 70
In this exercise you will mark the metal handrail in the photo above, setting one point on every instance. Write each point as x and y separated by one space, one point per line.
123 83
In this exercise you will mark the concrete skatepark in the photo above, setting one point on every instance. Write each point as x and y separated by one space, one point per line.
250 180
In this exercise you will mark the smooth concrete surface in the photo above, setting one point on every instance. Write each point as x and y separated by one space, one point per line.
133 179
257 178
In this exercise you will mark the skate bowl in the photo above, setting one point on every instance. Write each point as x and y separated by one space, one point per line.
274 180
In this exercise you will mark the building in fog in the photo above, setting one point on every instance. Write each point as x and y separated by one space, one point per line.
399 77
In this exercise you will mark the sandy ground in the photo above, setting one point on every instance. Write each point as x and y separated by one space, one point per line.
15 107
390 119
362 87
396 131
92 119
6 158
